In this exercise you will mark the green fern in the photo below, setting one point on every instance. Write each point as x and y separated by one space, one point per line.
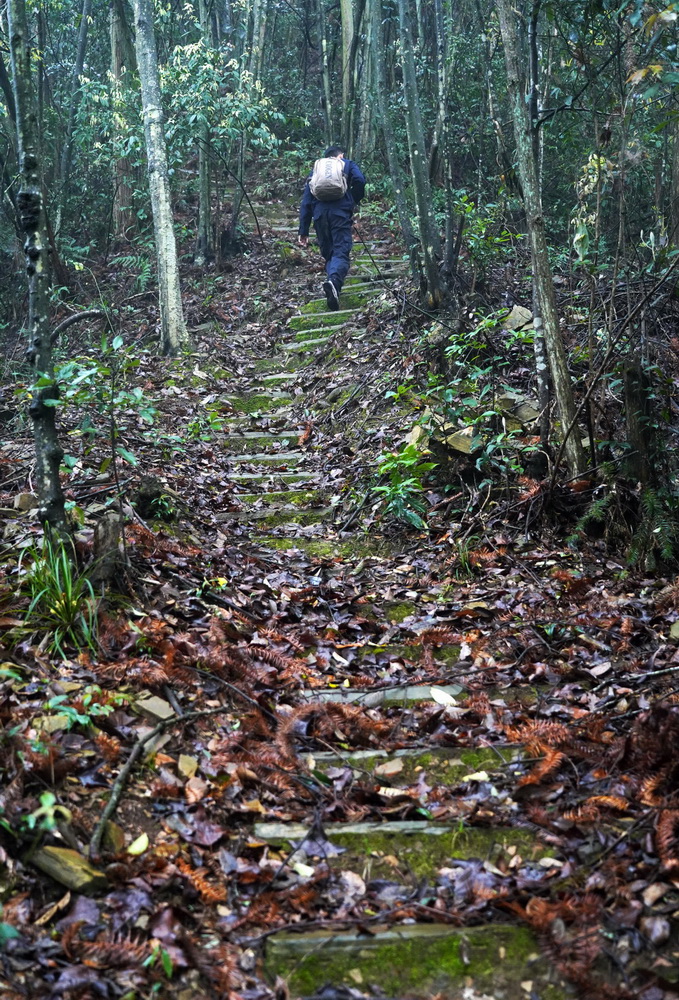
595 514
656 539
139 263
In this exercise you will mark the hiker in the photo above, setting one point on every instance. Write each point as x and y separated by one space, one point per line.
332 191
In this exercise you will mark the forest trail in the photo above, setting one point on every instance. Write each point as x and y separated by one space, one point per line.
426 763
281 485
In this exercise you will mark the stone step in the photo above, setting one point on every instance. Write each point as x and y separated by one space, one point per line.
248 478
247 440
316 548
400 694
348 300
286 497
278 458
441 765
261 402
315 333
411 846
324 319
302 346
498 961
279 378
273 517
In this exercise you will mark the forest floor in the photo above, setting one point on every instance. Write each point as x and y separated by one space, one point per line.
345 760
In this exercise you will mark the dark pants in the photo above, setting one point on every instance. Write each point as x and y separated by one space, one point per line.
334 237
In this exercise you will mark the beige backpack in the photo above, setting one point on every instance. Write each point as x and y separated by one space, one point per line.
328 180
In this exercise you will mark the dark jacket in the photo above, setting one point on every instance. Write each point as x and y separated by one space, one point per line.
311 208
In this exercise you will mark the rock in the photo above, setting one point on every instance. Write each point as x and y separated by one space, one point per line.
70 869
26 501
154 708
518 319
466 441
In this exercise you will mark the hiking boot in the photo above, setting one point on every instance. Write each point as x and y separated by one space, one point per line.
331 295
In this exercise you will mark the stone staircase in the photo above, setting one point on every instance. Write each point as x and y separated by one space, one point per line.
282 504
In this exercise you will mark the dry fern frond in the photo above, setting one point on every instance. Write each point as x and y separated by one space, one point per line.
196 877
667 839
648 794
108 746
608 801
437 637
551 762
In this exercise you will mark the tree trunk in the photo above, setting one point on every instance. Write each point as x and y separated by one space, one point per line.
347 11
173 330
542 274
395 169
122 63
205 249
431 246
48 453
66 153
325 72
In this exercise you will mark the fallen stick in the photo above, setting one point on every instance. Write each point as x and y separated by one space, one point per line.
122 779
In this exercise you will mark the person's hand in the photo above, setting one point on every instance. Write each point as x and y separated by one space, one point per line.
303 241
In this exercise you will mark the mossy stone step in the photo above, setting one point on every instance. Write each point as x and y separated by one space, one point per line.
328 318
442 765
421 960
302 346
249 440
353 548
348 300
259 402
405 694
274 517
247 478
292 497
317 333
408 846
278 458
279 378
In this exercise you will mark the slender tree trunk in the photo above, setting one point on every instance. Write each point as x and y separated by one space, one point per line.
396 172
173 330
66 153
539 345
325 72
542 274
205 250
48 453
347 12
123 61
431 245
674 189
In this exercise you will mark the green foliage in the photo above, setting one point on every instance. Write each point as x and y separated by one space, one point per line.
141 265
656 538
486 239
402 495
62 604
47 815
89 706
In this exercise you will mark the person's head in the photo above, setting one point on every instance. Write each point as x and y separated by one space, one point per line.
334 151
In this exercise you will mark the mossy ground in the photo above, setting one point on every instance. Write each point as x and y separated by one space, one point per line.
295 497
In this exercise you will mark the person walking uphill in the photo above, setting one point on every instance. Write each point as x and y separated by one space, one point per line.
332 191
